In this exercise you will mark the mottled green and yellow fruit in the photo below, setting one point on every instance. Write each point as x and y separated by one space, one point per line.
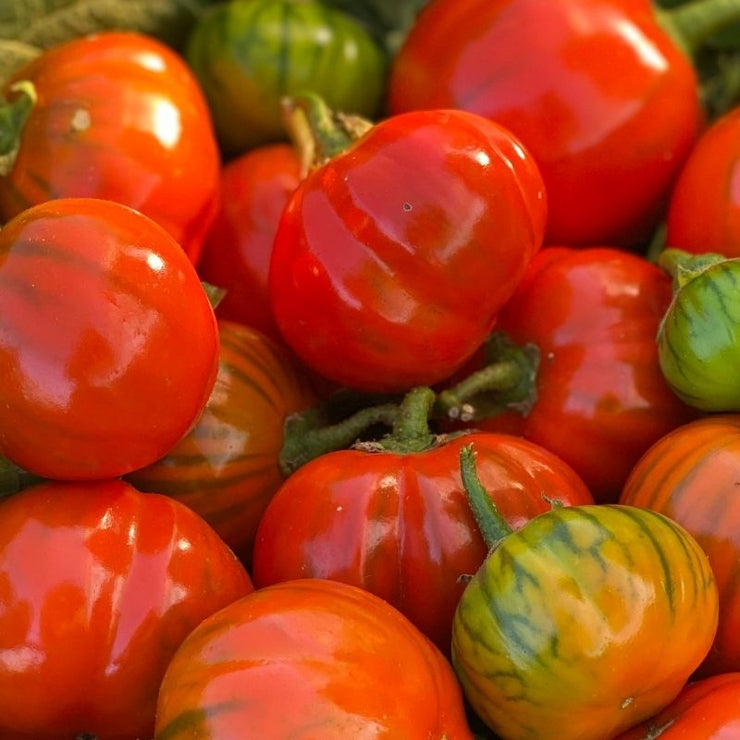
584 622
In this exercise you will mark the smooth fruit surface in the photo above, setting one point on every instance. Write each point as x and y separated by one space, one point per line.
108 342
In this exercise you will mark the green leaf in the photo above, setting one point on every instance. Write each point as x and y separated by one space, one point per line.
13 55
18 15
728 39
719 74
46 23
718 66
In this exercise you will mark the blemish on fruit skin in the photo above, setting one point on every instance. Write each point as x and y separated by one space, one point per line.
626 703
80 120
407 207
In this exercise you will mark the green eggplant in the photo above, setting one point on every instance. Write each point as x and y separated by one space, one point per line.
248 55
699 335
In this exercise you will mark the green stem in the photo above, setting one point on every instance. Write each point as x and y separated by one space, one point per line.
693 23
319 133
411 426
683 266
305 437
657 243
492 525
506 383
308 435
13 116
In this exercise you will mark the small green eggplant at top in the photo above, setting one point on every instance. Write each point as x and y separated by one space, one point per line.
250 54
699 336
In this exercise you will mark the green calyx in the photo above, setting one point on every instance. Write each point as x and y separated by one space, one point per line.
506 383
13 116
307 435
318 132
684 267
310 434
411 431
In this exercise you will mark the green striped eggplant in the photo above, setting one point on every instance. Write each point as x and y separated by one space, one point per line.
699 335
249 54
584 622
226 468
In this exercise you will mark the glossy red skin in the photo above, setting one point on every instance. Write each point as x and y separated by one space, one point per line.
708 709
399 525
391 260
310 659
599 94
601 399
704 210
255 187
119 116
108 343
100 584
690 475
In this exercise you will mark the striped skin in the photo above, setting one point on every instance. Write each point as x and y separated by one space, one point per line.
699 339
583 623
310 659
691 476
226 468
399 525
249 54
